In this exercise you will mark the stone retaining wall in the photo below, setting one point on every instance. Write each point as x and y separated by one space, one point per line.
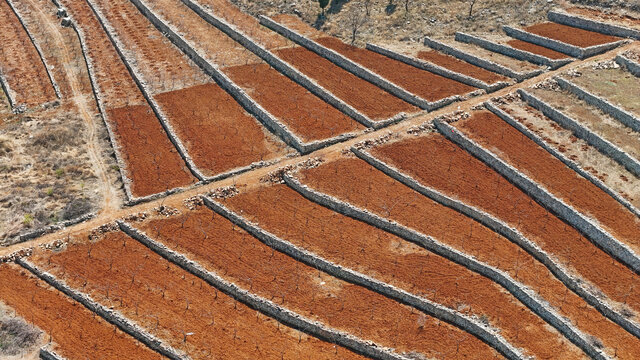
593 232
111 316
8 93
592 25
525 295
263 305
632 66
46 354
582 132
512 52
573 283
349 65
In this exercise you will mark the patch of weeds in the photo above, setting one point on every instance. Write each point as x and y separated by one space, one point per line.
50 192
27 220
59 172
16 336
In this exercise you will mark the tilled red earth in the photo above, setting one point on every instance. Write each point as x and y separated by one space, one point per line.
440 164
462 67
77 332
570 34
427 85
221 247
536 49
218 133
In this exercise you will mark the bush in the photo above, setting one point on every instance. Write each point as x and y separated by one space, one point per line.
76 208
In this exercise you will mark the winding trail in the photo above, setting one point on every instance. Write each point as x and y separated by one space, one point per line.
110 199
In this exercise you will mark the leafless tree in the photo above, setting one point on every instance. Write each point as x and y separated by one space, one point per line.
355 20
367 7
471 3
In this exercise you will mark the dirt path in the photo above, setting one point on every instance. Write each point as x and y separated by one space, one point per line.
110 199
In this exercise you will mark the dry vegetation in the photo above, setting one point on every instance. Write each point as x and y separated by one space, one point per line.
17 338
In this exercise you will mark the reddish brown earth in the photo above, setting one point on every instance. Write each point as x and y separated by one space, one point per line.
536 49
77 332
365 97
20 65
153 163
462 67
296 24
113 80
570 34
218 134
383 256
440 164
521 152
168 302
427 85
222 247
362 185
305 114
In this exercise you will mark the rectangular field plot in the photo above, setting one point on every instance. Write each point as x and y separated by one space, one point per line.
175 306
491 132
617 86
440 164
570 34
420 82
217 132
221 247
20 64
460 66
536 49
76 332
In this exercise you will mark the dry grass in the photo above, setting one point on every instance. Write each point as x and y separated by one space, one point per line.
17 337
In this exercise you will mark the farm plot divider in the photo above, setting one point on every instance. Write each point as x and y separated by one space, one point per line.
9 93
436 69
109 315
510 51
491 222
582 132
46 354
615 112
595 233
530 299
592 25
355 68
270 122
480 62
571 50
263 305
433 309
632 66
283 67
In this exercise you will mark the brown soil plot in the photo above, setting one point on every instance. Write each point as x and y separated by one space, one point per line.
462 67
220 246
570 35
440 164
77 332
536 49
20 63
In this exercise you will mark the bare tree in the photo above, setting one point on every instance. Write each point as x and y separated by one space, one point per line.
471 3
406 5
367 7
355 20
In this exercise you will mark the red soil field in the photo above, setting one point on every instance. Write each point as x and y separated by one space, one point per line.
462 67
20 64
364 186
305 114
427 85
162 66
440 164
512 146
117 88
365 97
353 244
218 134
77 332
153 163
220 246
536 49
570 34
170 303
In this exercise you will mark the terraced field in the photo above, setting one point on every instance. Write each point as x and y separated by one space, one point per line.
291 196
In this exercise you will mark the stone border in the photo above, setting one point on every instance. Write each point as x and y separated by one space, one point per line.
631 66
438 311
607 107
525 295
111 316
56 89
437 69
480 62
598 236
574 283
283 67
592 25
54 227
146 92
9 93
267 119
512 52
583 132
46 354
267 307
570 163
571 50
354 67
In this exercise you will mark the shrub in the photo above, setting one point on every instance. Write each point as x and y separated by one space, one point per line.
27 220
76 208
